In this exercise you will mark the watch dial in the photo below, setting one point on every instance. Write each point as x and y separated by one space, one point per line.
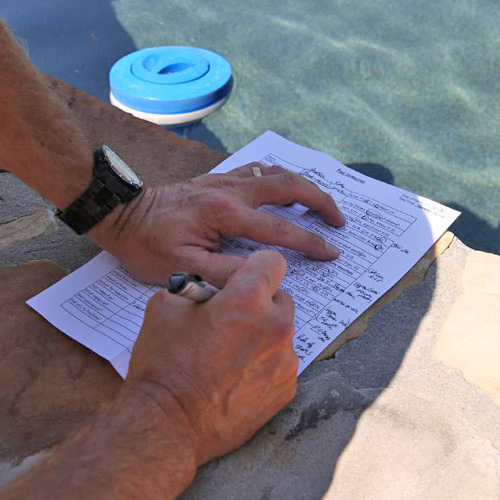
121 168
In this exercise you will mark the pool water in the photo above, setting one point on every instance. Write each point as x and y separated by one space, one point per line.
405 91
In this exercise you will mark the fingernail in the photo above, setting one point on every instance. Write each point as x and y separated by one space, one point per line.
342 219
333 251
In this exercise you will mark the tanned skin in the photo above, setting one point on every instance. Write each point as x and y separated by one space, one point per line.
194 392
203 377
39 141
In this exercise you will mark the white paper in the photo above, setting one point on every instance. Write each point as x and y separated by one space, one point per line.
388 229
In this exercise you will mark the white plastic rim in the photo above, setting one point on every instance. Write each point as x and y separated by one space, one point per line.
179 119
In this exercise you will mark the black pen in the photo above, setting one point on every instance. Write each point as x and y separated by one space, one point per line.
191 286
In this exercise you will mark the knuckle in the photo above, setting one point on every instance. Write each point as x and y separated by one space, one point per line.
281 227
289 180
275 169
249 299
221 204
254 294
314 240
238 170
284 330
158 300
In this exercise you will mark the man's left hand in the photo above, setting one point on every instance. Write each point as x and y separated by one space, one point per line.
178 227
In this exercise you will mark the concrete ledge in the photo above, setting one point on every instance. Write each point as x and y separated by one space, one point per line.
400 411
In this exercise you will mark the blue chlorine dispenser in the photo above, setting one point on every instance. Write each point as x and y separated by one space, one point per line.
174 87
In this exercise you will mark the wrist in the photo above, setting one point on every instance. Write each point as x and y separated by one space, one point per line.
168 450
113 183
125 218
135 449
166 409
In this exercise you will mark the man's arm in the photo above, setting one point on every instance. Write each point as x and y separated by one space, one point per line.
39 141
203 379
133 451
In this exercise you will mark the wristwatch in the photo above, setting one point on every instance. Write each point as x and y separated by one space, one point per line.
113 183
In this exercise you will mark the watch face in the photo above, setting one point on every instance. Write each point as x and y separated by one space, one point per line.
121 168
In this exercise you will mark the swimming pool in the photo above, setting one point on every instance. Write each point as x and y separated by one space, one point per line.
408 92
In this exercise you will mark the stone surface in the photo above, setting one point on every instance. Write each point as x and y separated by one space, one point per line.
382 419
51 384
470 339
393 414
421 450
25 228
159 156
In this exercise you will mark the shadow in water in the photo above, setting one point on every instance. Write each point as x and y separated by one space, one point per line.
77 42
203 134
473 230
374 170
476 232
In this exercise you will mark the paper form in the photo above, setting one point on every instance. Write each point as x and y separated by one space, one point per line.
387 231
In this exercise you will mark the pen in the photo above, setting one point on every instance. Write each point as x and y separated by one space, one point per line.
191 286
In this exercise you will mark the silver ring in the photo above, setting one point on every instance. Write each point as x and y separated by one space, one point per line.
257 172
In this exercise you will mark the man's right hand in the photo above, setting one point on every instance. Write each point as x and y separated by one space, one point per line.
227 365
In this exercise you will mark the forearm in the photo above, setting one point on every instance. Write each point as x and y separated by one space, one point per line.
136 450
40 143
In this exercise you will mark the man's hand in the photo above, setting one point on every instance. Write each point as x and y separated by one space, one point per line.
203 379
228 363
178 227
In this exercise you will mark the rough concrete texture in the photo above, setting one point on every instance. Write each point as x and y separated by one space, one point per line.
62 246
51 384
30 226
384 418
470 339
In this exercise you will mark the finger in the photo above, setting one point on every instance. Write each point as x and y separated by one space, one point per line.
161 303
285 309
263 270
247 171
215 268
286 188
285 303
273 230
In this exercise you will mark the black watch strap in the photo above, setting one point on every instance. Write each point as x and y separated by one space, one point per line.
106 191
